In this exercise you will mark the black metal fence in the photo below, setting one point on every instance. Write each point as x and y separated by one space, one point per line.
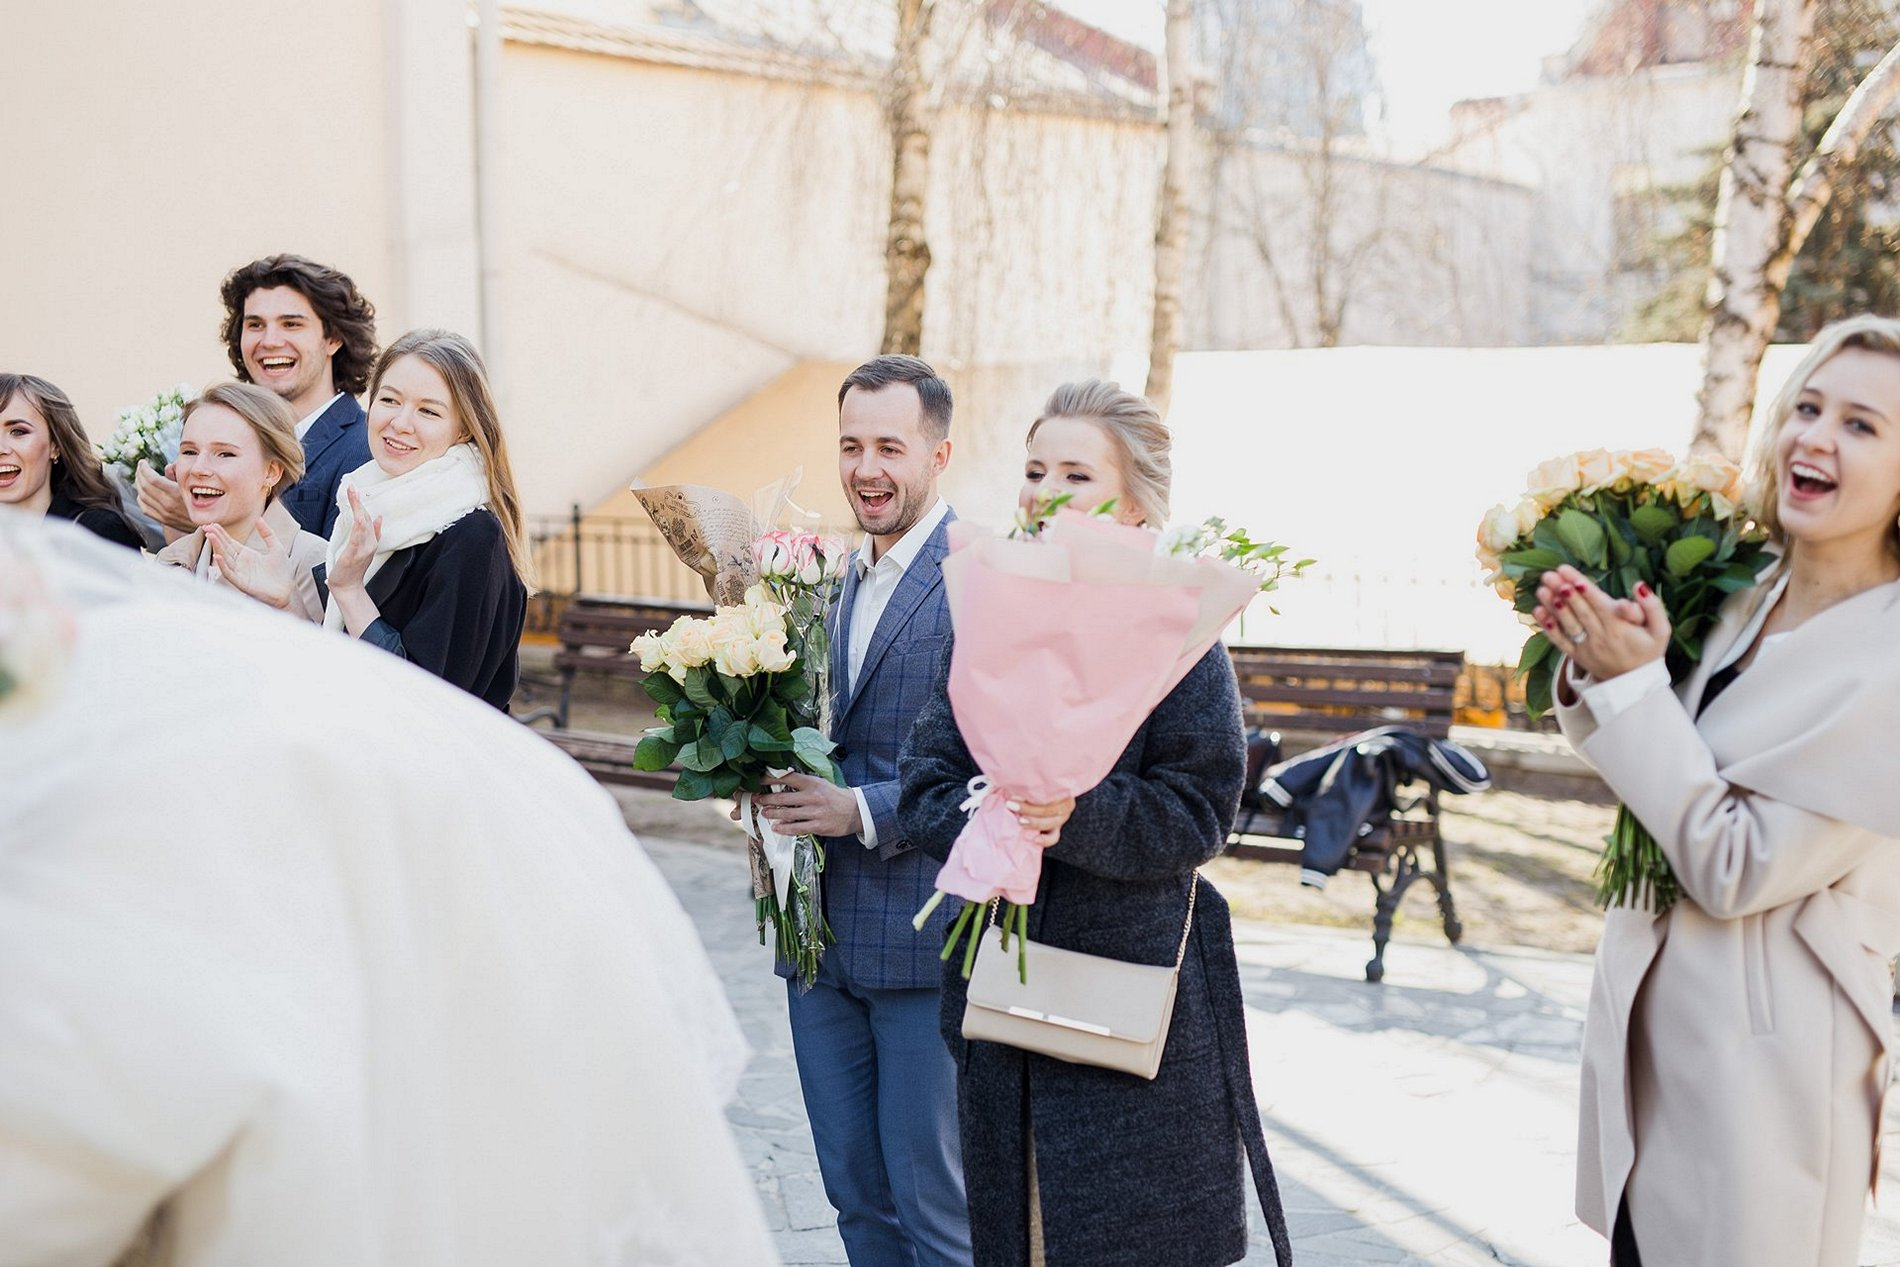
598 554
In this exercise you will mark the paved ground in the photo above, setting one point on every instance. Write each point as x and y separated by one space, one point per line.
1428 1120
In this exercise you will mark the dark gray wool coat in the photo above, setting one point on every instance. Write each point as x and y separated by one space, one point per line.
1148 1174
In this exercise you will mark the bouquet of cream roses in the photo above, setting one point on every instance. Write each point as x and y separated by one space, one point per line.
742 699
1624 519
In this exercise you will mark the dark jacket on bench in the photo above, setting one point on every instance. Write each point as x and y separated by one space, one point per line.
1334 795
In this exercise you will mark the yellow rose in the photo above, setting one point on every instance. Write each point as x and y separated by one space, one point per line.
1528 514
772 654
1706 474
1505 588
1596 468
1497 531
1646 466
1554 480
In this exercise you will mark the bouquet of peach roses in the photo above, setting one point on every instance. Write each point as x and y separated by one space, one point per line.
1625 519
741 698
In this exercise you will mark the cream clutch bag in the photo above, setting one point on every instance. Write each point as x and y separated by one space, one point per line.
1085 1009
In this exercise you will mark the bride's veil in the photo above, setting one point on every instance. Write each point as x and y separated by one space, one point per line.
326 958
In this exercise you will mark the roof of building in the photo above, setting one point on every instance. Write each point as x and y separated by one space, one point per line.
1021 53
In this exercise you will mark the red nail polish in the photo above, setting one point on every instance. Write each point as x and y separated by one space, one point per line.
1558 602
1642 589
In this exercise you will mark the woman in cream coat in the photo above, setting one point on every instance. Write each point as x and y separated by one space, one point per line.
239 450
1737 1046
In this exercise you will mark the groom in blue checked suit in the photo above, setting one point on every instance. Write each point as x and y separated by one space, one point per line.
879 1084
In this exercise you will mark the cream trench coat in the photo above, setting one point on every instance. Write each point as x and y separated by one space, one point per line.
307 551
1736 1048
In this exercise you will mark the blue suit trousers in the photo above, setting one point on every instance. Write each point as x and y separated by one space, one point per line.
881 1091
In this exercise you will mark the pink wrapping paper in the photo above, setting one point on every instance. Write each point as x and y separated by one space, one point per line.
1063 647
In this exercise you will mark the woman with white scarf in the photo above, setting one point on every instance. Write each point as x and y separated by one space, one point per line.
428 559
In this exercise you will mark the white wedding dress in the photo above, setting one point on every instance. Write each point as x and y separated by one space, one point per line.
309 958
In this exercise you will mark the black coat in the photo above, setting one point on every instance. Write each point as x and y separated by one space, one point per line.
109 524
454 606
1147 1174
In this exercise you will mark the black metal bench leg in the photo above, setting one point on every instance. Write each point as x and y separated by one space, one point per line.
1402 870
1447 912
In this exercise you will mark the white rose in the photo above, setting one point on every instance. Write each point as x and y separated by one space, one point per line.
651 650
771 652
690 643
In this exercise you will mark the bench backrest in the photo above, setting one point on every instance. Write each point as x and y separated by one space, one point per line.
1314 694
594 626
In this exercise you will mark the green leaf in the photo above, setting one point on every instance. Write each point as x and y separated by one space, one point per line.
762 740
701 755
693 786
698 687
1537 699
733 745
1684 556
1652 523
1537 648
811 749
654 753
772 720
1536 558
663 689
726 782
1621 550
792 687
1583 537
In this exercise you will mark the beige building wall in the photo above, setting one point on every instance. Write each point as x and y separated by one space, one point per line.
152 148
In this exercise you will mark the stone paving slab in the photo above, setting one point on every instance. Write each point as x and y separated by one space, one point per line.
1430 1120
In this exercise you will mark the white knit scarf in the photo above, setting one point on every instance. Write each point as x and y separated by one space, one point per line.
413 506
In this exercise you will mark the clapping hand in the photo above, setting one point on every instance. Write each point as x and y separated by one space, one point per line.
266 574
160 497
352 565
1605 637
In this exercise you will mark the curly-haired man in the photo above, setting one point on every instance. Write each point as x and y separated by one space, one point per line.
305 332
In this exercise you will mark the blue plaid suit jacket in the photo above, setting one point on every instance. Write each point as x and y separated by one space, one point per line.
871 895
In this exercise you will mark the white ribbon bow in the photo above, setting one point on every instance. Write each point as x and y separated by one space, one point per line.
979 790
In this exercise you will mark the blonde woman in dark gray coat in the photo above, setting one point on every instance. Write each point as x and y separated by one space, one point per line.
1072 1165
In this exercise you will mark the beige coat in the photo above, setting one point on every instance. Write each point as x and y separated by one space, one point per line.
307 551
1736 1049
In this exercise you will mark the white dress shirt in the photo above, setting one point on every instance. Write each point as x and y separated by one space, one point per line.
310 419
877 581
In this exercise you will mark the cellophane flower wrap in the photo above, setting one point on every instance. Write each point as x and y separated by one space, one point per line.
1626 518
148 433
741 698
1065 642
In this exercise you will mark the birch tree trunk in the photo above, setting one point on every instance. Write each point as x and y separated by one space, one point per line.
1171 224
906 252
1752 223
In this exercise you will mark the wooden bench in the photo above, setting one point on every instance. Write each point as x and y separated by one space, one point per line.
595 631
1300 698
